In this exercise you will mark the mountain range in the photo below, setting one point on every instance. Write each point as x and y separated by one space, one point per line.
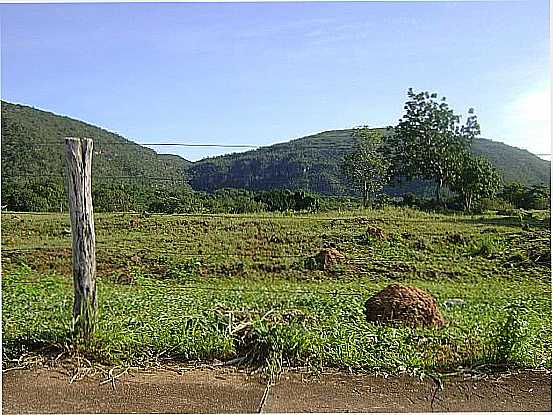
32 146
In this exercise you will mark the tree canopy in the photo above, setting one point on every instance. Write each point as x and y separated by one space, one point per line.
429 141
475 179
366 167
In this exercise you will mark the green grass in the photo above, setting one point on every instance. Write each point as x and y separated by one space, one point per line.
199 288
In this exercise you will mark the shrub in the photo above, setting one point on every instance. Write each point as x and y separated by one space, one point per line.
495 204
537 196
513 334
484 247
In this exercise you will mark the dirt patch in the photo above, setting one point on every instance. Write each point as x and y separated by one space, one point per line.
399 303
325 259
403 268
540 256
231 391
115 266
367 221
270 268
525 391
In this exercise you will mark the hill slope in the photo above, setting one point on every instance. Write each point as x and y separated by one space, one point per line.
313 163
32 145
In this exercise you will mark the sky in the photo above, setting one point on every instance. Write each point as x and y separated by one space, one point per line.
260 73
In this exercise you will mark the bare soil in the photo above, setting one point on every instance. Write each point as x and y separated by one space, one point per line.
234 391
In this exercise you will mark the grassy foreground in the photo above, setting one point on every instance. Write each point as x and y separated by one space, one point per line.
237 288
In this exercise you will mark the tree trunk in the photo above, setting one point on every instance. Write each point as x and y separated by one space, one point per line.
365 194
79 176
439 185
468 202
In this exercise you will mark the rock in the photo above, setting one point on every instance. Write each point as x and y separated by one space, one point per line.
451 302
399 303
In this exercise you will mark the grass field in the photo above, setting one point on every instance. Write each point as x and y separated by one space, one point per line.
237 288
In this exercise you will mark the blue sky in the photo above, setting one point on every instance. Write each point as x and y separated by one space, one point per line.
258 73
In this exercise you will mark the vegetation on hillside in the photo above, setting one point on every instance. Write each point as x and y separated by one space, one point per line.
313 164
33 160
128 176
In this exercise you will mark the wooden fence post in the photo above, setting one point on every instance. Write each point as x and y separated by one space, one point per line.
79 178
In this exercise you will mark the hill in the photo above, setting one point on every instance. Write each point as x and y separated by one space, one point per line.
32 152
32 145
313 163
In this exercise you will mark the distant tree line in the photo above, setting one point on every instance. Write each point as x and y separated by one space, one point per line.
49 195
537 196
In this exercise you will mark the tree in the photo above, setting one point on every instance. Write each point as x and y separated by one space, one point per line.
476 178
537 197
429 141
366 167
533 197
514 193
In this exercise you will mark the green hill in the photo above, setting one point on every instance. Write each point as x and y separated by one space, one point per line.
32 150
32 146
313 163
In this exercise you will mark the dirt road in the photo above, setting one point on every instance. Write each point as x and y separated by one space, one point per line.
231 391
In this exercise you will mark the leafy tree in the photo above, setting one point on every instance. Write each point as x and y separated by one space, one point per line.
366 166
533 197
282 200
537 197
477 178
514 193
429 141
35 194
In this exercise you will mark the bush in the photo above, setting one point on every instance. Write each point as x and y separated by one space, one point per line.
495 204
382 200
425 203
35 195
513 334
513 193
283 200
485 247
537 196
235 201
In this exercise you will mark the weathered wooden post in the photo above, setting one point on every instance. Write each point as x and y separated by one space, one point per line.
79 178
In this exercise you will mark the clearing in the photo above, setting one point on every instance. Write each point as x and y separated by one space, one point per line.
244 289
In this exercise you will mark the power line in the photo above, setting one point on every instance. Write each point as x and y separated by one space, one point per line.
136 177
97 143
185 144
